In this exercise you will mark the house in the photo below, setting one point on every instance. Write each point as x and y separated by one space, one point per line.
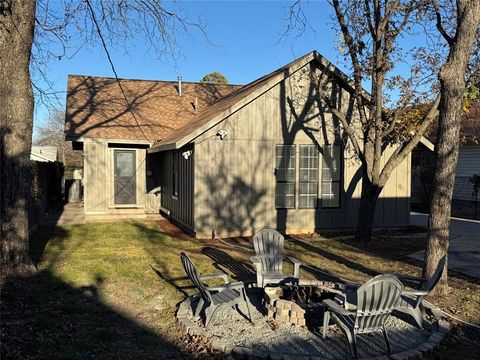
466 197
226 160
43 153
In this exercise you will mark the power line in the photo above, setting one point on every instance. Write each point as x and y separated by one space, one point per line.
104 45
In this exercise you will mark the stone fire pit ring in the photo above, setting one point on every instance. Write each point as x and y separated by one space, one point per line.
292 332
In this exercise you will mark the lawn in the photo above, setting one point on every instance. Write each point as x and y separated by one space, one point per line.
111 290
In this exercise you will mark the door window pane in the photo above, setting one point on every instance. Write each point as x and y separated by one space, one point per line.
125 186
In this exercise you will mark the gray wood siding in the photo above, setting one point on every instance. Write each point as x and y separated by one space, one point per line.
181 206
95 177
235 177
99 182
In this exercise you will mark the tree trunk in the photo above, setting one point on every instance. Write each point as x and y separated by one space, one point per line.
366 211
452 88
16 116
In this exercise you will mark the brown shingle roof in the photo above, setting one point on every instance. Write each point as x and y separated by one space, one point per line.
97 109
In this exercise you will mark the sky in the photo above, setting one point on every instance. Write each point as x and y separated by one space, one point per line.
244 44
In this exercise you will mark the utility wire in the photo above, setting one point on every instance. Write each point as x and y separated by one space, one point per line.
104 45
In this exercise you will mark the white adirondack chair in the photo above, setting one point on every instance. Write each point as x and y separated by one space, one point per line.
268 259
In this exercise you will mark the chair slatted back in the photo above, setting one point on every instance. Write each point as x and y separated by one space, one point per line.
272 263
268 243
376 299
192 273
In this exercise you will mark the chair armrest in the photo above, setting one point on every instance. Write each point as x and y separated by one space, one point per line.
332 305
415 292
293 260
411 278
235 285
215 276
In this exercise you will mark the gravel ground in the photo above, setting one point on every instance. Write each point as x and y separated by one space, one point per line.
234 329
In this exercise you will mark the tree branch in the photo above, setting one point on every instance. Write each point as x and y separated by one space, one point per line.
348 128
104 45
440 27
402 151
353 51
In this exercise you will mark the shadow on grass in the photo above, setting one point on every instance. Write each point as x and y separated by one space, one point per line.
42 237
333 257
45 318
241 271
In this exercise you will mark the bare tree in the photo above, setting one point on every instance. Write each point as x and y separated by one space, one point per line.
52 133
370 30
33 32
460 39
16 116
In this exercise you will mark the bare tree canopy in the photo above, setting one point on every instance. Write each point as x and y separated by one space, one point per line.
53 133
31 34
370 41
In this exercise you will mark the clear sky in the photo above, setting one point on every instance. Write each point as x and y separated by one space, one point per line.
246 45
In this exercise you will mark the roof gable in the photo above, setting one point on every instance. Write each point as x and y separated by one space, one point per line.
236 100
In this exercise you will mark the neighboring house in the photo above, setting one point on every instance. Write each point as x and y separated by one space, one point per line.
46 184
225 159
468 166
43 153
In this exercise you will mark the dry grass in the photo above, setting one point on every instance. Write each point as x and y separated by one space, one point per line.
111 290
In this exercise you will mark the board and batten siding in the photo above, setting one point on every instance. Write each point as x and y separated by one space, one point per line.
99 186
234 191
181 206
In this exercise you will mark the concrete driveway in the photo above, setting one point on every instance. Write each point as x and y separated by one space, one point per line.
464 250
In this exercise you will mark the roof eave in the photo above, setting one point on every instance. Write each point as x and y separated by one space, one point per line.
163 147
427 143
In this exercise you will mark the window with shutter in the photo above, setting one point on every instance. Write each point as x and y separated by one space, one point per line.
331 176
285 176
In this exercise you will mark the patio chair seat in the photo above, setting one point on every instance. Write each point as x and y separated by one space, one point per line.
344 320
407 301
226 296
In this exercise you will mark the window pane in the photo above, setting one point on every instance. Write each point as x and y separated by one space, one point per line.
308 195
285 195
124 163
308 171
285 175
330 194
331 162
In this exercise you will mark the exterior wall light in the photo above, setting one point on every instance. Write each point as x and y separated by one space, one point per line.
222 134
186 154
